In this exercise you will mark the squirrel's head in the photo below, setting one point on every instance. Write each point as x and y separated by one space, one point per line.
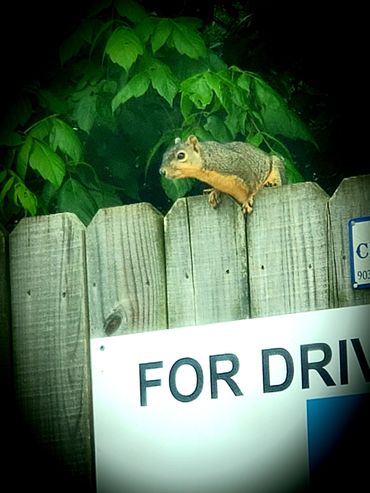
182 159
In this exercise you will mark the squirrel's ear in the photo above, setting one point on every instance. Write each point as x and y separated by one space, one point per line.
177 140
193 141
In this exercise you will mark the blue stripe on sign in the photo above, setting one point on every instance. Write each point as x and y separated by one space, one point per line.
338 439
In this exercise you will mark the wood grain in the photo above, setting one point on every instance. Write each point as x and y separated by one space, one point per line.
206 262
350 200
126 271
5 372
50 340
287 250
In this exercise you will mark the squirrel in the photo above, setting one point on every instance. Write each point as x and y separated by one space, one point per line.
235 168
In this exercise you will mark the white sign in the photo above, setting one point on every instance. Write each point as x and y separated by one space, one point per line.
228 407
359 243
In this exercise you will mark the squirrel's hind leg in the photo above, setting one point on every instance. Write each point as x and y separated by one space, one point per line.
214 196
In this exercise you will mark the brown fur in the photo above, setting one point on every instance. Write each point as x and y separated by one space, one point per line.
238 169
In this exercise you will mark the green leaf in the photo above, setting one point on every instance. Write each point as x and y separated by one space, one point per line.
187 41
278 119
99 33
74 197
87 175
190 22
134 88
3 175
145 28
103 194
215 62
64 138
216 126
85 112
123 47
175 189
72 45
201 133
292 173
163 81
41 129
226 91
7 186
279 148
216 84
23 157
106 196
27 199
166 139
10 139
186 106
235 120
108 85
130 9
104 114
244 81
46 197
255 139
198 90
52 102
161 34
44 160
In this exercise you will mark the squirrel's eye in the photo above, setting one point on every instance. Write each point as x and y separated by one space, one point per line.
181 155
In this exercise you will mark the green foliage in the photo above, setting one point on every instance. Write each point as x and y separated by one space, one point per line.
130 83
124 47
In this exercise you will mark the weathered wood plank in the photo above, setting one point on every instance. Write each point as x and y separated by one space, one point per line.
50 342
350 200
126 270
179 268
206 262
287 250
5 373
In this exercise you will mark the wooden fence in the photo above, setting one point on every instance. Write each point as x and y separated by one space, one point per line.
134 270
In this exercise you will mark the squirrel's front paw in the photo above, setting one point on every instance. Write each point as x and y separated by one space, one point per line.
247 206
214 196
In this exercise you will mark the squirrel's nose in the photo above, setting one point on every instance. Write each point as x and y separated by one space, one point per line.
162 171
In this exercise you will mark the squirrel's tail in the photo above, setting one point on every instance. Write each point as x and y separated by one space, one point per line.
278 164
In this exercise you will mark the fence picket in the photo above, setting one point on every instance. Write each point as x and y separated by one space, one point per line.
4 315
206 262
350 200
287 250
50 340
126 271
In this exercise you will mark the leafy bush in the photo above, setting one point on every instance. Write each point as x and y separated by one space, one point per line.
129 83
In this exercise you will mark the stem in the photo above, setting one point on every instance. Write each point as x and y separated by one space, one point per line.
40 121
278 142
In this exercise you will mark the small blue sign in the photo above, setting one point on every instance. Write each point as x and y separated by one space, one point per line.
359 251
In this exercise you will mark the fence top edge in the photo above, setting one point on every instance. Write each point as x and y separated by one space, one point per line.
310 184
347 182
121 210
56 218
307 185
182 202
3 232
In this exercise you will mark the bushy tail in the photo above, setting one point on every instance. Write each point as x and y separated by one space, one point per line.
278 164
